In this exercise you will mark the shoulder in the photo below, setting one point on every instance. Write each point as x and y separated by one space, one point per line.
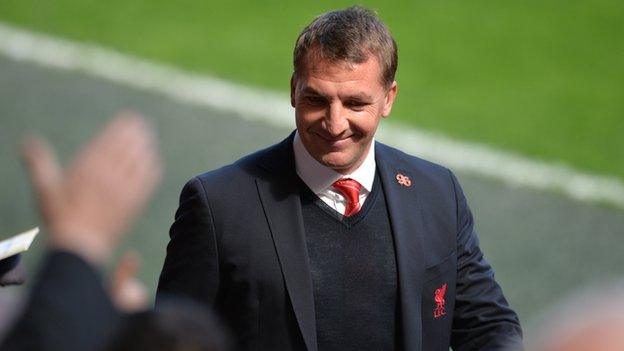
244 171
423 171
436 187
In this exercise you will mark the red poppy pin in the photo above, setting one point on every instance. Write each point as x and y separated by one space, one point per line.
438 296
403 180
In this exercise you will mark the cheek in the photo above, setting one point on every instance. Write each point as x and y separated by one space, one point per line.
366 121
306 117
302 122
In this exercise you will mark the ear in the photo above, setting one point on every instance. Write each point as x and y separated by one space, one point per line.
293 86
389 99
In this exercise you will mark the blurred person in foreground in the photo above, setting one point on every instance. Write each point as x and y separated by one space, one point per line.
329 240
588 320
87 208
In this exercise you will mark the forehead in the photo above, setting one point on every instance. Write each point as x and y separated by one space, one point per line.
342 74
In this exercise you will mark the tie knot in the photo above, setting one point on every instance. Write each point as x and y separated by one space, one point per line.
350 189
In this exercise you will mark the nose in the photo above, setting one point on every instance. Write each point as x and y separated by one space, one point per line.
336 122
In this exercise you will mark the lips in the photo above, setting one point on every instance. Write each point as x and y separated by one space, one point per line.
332 141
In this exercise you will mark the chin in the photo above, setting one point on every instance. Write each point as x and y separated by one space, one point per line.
337 163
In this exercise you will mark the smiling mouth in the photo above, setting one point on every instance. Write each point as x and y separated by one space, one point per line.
334 143
330 139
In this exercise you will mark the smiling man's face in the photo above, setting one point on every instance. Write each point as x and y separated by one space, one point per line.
338 107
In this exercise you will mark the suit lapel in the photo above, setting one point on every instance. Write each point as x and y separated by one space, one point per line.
279 194
406 221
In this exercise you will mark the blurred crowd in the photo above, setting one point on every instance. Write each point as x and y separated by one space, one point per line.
87 207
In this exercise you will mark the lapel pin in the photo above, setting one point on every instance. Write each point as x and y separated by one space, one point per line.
403 180
438 296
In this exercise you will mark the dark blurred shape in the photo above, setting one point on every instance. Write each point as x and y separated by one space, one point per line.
11 271
68 309
178 324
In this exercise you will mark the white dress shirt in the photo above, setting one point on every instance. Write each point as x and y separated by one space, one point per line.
320 178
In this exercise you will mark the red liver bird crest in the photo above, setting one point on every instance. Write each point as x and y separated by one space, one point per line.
438 296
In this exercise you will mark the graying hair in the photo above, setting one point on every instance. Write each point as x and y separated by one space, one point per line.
350 35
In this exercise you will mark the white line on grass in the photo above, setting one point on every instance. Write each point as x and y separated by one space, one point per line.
274 108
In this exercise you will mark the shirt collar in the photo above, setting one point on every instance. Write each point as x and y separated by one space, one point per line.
319 177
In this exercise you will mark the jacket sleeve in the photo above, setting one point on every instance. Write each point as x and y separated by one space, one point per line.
68 309
482 319
191 266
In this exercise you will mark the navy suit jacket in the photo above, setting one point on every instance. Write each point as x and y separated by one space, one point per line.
238 244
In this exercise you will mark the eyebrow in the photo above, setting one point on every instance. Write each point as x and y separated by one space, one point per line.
362 97
359 96
312 91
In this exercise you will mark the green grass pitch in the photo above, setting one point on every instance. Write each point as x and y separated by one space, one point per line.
543 78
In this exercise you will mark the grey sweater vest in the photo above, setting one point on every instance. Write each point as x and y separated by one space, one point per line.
354 277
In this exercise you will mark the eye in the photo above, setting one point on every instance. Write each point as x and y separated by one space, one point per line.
356 105
314 100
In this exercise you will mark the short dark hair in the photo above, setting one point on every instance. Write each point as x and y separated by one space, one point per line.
350 35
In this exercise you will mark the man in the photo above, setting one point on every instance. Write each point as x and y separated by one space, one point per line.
330 240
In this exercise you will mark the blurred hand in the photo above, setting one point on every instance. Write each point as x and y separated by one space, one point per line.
127 292
89 205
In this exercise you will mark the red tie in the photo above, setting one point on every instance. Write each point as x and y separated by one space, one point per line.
350 189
